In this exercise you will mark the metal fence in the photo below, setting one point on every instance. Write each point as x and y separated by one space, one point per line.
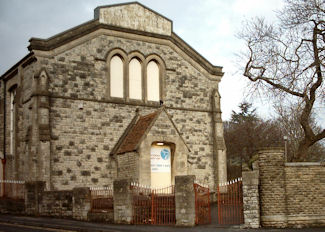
101 199
153 206
13 189
202 204
230 202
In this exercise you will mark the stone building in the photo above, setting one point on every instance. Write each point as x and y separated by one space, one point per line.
119 96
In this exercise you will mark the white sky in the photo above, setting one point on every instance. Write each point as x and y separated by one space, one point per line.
209 26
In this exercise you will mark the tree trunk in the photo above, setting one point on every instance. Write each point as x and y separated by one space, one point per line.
302 152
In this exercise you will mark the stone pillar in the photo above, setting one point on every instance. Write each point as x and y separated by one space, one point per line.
81 203
251 199
33 196
185 200
219 146
272 187
43 123
122 201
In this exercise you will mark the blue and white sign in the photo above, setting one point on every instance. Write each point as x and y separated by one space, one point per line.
164 153
160 159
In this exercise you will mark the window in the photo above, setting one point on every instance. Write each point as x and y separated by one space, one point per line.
153 92
12 118
116 77
135 79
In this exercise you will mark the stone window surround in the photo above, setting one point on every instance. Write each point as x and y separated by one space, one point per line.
126 58
172 147
12 91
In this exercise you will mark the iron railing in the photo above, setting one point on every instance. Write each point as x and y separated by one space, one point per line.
13 189
202 204
101 199
230 203
153 206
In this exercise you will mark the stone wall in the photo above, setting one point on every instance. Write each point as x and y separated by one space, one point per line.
83 138
12 206
56 204
21 163
251 199
2 103
66 131
185 200
128 166
65 204
272 187
305 189
122 201
290 194
134 16
163 130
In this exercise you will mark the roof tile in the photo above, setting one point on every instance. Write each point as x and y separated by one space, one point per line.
135 134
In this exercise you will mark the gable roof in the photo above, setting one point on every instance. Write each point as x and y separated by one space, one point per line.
134 135
95 25
136 131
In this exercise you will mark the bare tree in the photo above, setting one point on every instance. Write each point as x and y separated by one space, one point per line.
288 120
287 60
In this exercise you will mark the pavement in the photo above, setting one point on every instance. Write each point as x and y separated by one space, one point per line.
24 223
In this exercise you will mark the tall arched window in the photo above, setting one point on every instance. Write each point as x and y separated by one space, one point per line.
12 95
135 79
153 89
116 77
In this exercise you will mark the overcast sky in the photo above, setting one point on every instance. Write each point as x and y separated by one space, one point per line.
209 26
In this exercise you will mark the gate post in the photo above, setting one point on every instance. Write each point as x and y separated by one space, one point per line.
185 200
251 199
81 203
122 196
33 196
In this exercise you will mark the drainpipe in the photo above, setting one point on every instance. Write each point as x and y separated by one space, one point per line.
4 137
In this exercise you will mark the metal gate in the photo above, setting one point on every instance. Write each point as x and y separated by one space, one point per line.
153 206
202 205
101 199
230 203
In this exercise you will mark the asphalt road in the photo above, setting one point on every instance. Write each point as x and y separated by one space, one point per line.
8 227
42 224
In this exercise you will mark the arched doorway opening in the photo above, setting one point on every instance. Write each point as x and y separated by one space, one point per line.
161 161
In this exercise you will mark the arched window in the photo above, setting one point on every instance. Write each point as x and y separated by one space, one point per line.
116 77
12 96
135 79
153 89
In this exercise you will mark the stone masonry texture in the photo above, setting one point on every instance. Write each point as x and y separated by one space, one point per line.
291 194
272 194
185 200
305 188
251 206
66 124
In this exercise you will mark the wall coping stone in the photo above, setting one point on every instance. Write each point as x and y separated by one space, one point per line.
304 164
270 149
250 177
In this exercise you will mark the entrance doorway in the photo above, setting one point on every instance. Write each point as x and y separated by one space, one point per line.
160 157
